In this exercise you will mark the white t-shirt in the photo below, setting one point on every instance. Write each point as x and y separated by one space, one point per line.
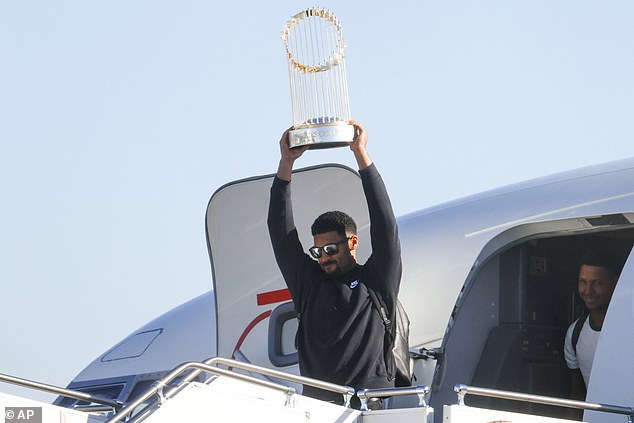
586 346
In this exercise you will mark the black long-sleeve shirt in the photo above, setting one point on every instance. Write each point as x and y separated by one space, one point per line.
341 336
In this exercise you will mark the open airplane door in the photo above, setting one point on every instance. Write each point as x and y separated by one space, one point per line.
612 377
247 282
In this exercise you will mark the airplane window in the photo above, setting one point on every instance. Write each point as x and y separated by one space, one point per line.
289 329
283 325
132 347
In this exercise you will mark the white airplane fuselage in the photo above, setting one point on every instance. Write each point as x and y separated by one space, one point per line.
489 283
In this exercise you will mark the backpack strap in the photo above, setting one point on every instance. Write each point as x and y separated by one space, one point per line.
382 309
577 330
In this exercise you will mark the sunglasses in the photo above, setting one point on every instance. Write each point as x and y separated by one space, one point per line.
329 249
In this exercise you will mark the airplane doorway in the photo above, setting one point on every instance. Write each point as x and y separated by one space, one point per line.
509 325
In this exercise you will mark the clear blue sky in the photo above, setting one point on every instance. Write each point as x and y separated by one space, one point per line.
119 119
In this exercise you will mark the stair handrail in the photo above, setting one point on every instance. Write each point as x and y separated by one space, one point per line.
210 366
463 390
421 391
65 392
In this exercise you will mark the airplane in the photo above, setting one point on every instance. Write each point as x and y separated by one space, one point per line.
489 284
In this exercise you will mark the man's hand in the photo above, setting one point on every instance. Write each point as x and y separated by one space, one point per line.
288 156
358 145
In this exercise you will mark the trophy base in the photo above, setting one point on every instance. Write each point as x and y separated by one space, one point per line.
322 136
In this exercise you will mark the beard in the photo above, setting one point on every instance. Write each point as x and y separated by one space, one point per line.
335 271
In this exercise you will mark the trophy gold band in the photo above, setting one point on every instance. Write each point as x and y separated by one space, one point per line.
317 73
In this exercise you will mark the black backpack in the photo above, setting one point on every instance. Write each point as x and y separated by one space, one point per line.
397 338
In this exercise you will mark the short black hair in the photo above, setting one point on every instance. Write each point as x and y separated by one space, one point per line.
335 220
603 257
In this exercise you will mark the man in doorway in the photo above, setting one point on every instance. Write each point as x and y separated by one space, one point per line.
341 337
599 271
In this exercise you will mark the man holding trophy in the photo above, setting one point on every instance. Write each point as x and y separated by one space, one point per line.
341 337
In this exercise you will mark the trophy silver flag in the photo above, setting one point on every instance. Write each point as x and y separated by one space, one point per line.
317 72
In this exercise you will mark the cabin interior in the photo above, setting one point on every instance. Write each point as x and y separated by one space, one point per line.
508 328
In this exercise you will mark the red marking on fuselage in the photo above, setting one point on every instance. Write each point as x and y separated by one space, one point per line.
273 297
248 329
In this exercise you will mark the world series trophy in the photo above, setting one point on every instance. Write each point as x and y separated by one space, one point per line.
317 72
